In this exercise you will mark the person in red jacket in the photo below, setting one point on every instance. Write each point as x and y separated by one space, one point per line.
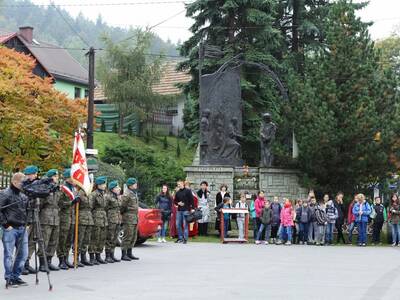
351 220
259 206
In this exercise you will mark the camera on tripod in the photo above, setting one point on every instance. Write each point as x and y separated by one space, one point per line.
41 188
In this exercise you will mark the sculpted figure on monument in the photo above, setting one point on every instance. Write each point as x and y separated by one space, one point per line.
267 136
232 147
217 133
204 131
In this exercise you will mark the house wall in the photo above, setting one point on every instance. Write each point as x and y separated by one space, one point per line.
69 88
177 120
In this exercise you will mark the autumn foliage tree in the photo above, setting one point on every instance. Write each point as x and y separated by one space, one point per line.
37 122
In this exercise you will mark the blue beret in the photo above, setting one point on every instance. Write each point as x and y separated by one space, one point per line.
51 173
29 170
112 185
101 180
131 181
67 173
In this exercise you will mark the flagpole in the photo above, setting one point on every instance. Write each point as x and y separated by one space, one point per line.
76 235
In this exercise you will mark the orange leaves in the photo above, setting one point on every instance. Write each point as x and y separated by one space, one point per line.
36 122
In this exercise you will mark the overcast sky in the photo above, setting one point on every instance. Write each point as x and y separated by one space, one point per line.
384 13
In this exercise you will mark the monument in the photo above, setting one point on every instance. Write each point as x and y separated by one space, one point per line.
220 152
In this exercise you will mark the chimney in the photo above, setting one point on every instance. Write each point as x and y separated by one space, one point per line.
27 33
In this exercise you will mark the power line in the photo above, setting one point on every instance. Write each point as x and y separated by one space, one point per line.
98 4
167 19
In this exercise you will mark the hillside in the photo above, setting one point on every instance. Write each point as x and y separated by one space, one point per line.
50 26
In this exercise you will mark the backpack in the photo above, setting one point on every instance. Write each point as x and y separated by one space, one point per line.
372 215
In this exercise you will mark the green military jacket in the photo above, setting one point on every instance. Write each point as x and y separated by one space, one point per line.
85 209
49 210
66 210
113 208
130 207
99 202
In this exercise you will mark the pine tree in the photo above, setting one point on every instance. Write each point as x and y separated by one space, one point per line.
103 126
344 112
165 143
115 128
130 129
178 148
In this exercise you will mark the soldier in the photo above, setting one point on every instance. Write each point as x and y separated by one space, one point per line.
99 230
65 237
31 174
85 226
49 224
129 212
114 220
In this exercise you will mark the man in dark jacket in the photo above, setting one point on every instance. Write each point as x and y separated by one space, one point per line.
184 201
13 218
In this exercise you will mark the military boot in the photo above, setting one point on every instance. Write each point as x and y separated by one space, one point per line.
99 259
62 265
68 264
93 261
108 257
113 256
131 256
29 268
51 266
42 266
124 256
84 259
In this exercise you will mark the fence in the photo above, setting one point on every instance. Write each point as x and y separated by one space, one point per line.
5 179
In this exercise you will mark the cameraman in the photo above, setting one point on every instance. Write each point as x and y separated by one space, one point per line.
13 218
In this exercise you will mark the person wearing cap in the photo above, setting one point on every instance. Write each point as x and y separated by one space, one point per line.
31 174
129 211
65 214
98 237
49 224
113 199
85 225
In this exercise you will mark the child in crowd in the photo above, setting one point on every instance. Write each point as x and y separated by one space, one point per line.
304 216
296 229
332 214
241 217
312 225
266 218
351 220
380 218
276 219
362 210
322 221
227 203
287 216
394 219
253 218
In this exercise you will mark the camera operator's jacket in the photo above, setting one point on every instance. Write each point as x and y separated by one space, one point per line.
130 207
99 203
113 208
85 209
49 209
15 214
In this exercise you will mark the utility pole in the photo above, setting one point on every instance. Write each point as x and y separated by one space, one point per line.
90 118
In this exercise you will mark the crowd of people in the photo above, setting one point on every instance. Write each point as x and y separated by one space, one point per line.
100 216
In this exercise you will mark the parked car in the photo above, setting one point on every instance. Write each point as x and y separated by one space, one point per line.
149 224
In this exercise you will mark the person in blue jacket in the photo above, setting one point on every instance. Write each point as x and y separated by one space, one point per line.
361 212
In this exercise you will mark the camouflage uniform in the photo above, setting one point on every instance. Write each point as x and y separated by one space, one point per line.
65 237
50 223
129 211
114 220
85 222
99 230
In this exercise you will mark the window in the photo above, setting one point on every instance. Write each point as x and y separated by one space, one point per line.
86 93
77 92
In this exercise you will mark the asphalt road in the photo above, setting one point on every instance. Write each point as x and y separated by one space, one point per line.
232 271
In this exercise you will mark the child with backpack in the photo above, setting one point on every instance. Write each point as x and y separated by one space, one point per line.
332 214
322 221
304 217
240 218
287 216
266 218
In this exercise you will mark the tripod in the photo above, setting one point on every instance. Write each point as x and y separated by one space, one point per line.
39 242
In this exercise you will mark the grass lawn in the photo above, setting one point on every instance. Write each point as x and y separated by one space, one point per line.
102 139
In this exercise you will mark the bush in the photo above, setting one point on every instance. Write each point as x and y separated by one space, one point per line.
103 126
113 172
165 143
178 148
115 128
130 129
147 137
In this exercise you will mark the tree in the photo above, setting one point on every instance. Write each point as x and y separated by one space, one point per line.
236 27
127 75
115 128
103 126
165 143
345 111
390 53
37 123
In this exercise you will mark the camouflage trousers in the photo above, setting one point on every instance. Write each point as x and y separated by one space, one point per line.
112 236
130 236
31 242
50 238
65 239
98 239
84 236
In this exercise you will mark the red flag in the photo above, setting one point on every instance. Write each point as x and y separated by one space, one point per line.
79 169
67 191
